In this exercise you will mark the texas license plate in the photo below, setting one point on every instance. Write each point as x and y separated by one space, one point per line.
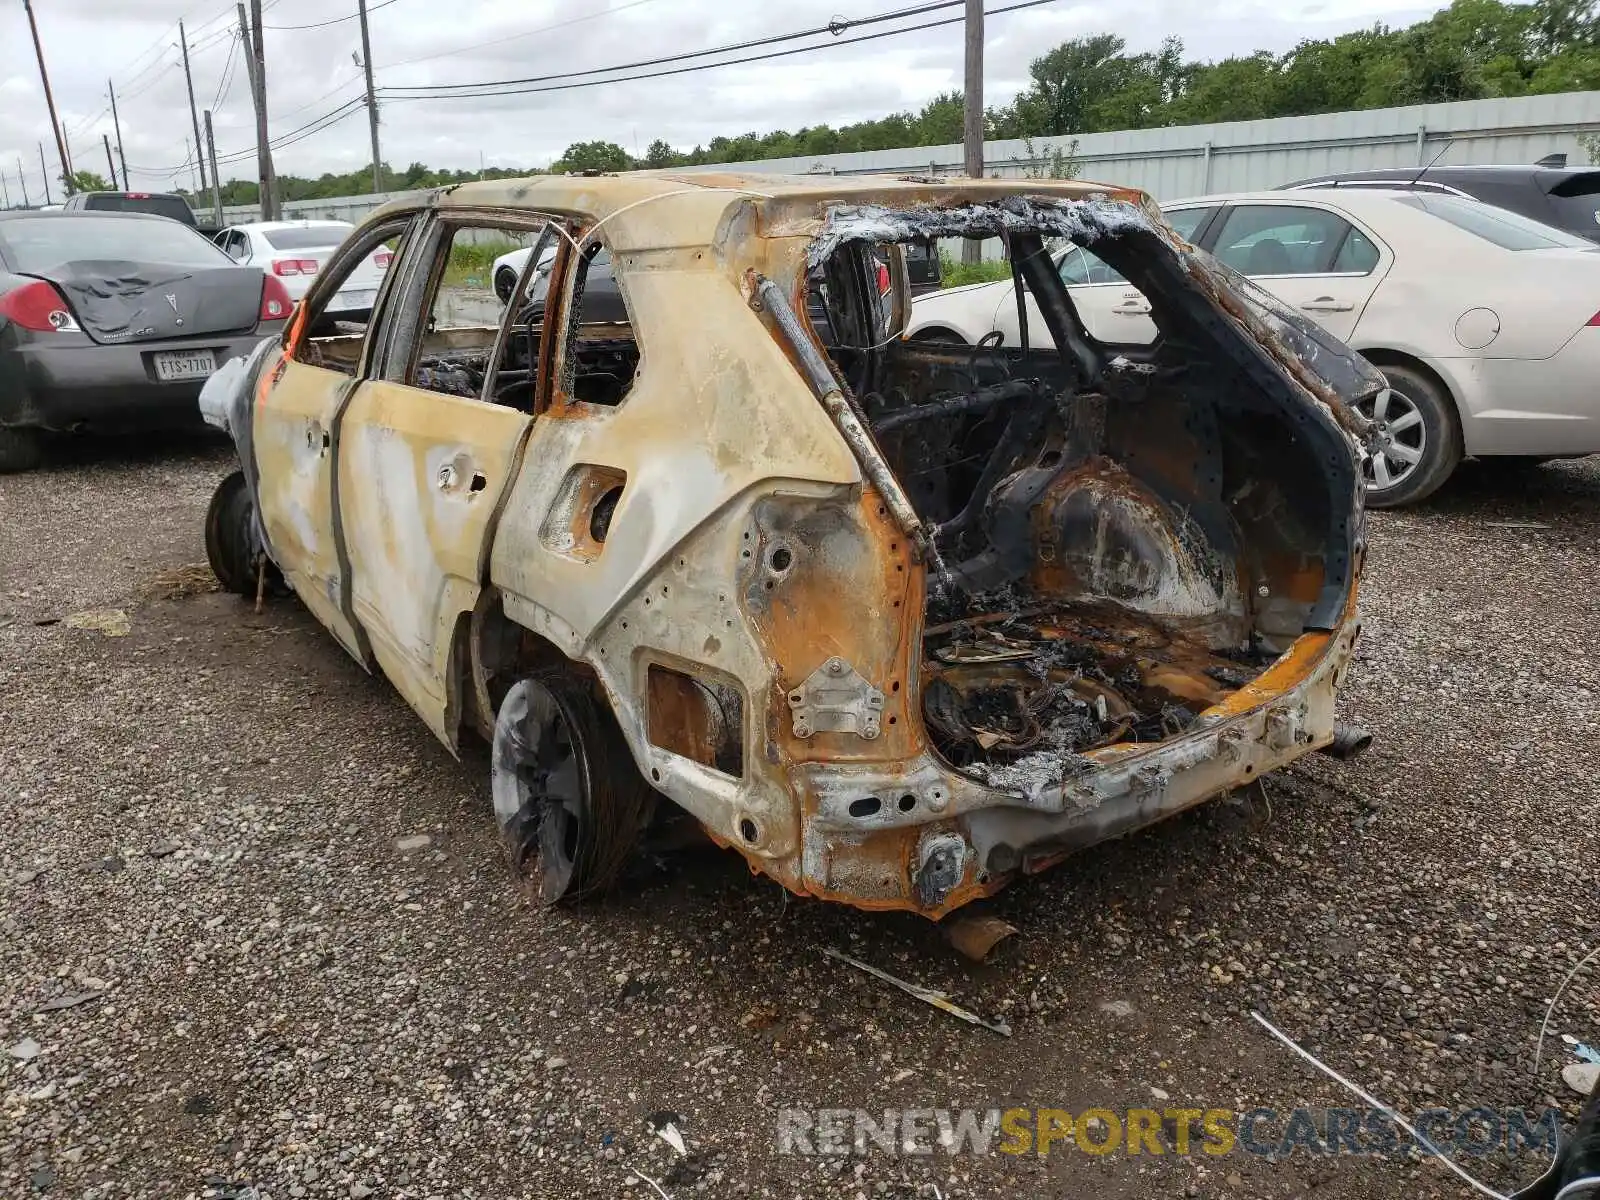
175 365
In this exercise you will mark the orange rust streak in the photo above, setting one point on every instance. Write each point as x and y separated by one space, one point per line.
678 718
905 839
882 592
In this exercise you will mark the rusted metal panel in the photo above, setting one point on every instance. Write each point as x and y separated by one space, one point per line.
420 477
293 434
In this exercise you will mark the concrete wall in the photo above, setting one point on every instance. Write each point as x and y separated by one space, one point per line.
1195 160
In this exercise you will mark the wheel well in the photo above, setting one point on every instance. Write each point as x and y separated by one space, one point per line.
937 333
498 652
1398 358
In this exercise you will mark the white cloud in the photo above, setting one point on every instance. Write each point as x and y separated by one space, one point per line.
310 72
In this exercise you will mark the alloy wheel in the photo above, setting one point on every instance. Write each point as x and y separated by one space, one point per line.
1399 441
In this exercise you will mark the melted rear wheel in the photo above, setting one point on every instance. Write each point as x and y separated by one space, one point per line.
568 800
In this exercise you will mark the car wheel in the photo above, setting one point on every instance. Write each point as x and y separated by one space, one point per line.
231 543
20 450
569 803
936 334
504 281
1417 440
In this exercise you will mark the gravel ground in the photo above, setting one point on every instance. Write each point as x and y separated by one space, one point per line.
290 961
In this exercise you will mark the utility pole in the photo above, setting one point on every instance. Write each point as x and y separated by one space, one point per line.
255 59
216 179
66 149
49 100
22 178
43 167
5 192
372 102
117 125
972 114
194 119
192 154
111 163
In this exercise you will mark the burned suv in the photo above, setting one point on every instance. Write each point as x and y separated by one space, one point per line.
896 620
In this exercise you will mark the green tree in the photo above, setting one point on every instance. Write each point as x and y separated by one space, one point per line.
592 156
1235 89
1067 82
660 154
87 181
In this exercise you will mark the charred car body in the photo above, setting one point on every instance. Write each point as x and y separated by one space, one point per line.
894 619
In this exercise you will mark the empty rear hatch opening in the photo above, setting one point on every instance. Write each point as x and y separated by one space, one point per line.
1122 536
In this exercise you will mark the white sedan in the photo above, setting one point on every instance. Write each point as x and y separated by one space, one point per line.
508 267
294 251
1483 321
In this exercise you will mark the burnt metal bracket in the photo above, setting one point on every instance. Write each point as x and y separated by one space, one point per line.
836 698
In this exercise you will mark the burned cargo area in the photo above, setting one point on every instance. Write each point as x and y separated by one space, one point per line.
1118 537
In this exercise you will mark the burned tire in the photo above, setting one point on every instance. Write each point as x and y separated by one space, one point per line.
1419 439
20 450
230 540
569 803
505 281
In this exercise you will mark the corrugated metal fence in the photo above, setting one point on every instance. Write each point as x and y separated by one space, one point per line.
1195 160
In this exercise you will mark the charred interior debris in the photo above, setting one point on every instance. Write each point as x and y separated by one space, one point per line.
1123 535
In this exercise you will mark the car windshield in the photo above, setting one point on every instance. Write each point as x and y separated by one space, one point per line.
306 237
1500 226
45 243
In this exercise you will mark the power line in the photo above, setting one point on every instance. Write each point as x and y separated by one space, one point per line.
163 43
495 88
354 104
515 37
154 80
372 8
833 27
334 90
289 139
226 80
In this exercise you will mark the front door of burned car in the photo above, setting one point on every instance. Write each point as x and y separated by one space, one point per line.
296 429
428 446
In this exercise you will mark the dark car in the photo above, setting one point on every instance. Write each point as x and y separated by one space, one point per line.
922 267
160 204
1566 197
111 322
601 300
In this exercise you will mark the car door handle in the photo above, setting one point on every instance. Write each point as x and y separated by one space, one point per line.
1132 308
1326 304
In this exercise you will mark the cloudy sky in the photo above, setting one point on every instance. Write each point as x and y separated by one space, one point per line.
312 71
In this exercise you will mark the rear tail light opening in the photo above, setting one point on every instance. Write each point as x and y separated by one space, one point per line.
38 307
275 302
381 259
294 266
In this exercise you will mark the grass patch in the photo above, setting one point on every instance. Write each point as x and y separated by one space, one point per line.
470 262
955 273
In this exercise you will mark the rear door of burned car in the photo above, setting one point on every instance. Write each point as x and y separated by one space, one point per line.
295 430
428 444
